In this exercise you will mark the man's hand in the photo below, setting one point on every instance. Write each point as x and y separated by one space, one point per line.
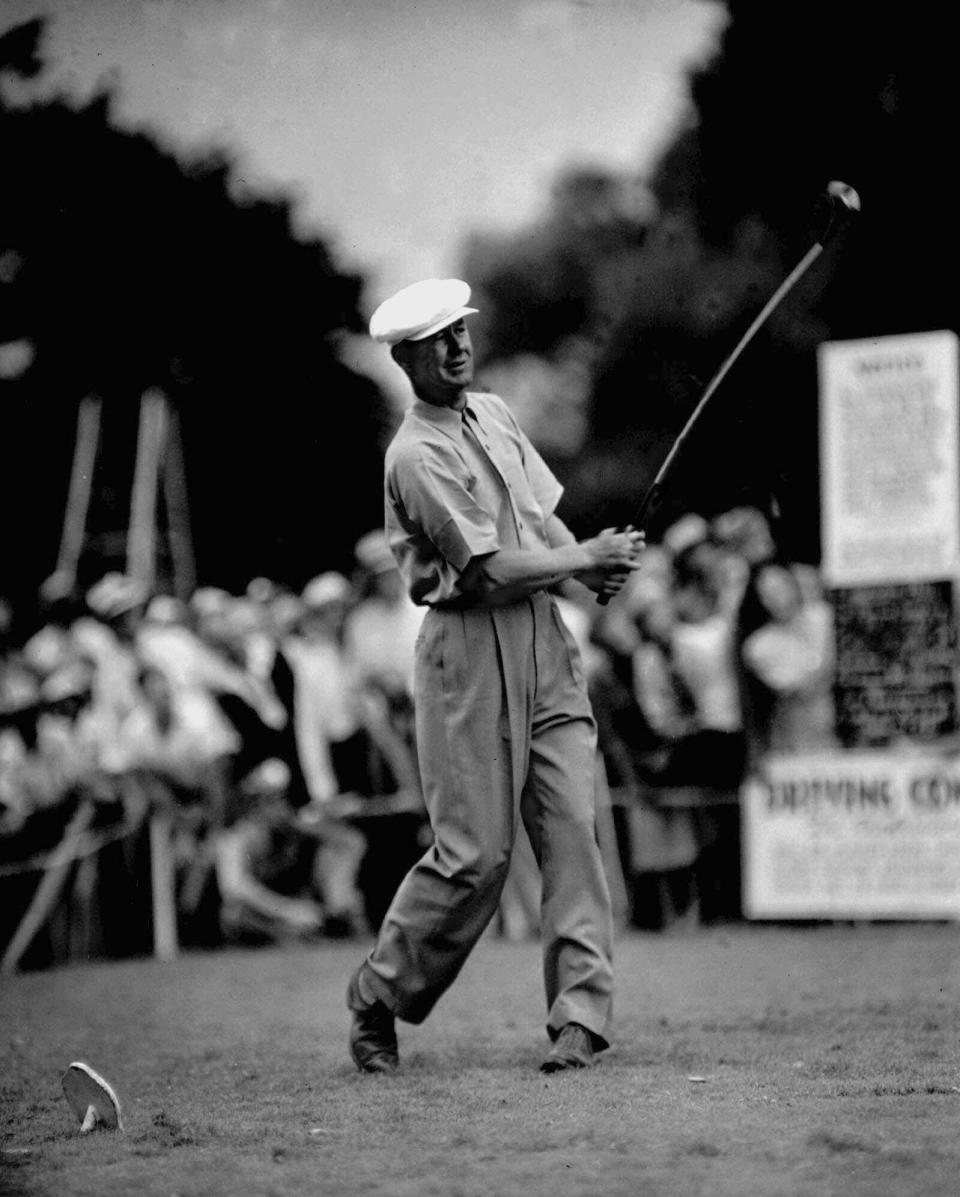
615 555
302 915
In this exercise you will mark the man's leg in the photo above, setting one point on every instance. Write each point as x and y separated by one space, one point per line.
468 769
576 917
560 816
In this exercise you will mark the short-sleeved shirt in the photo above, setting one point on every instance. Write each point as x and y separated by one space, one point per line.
453 493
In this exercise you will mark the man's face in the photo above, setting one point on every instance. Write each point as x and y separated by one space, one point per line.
440 367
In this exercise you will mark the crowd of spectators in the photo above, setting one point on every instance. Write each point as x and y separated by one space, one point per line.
719 654
275 731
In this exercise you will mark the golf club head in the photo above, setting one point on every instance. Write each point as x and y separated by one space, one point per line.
842 204
843 196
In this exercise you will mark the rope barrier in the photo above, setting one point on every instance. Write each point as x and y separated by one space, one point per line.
87 845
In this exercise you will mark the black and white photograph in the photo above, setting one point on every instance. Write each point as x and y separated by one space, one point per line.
479 657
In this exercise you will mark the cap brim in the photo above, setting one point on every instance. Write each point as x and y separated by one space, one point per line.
444 322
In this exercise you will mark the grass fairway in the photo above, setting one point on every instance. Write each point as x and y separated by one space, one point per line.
829 1058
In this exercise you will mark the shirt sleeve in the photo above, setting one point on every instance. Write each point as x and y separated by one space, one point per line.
435 496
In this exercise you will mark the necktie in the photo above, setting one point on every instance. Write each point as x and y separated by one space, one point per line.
471 426
468 418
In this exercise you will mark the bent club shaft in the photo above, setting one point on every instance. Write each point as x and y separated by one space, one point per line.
843 200
651 499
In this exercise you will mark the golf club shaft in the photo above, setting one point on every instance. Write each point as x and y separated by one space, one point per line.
844 199
653 493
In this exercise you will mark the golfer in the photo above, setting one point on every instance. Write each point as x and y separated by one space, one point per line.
504 726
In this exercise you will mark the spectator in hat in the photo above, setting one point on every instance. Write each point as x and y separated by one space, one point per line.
382 626
207 681
343 732
327 723
176 735
202 649
107 637
504 725
324 698
789 662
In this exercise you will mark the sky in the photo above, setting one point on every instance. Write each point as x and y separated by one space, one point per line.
398 126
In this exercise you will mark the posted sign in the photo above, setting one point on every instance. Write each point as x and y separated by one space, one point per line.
853 835
889 465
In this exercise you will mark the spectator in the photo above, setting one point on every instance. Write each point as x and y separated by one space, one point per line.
146 700
789 664
662 838
266 864
325 699
106 636
382 625
201 650
53 778
703 659
177 737
744 532
178 713
333 745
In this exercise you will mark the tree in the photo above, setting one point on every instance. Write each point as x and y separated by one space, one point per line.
124 267
797 94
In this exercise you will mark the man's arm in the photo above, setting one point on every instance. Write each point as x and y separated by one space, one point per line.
602 562
232 850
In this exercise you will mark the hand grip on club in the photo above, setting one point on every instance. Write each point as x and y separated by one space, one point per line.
844 202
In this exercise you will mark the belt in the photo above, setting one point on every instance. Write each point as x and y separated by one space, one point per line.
472 602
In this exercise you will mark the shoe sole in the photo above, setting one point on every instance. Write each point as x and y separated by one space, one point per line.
373 1067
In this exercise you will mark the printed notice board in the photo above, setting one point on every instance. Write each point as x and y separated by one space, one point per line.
895 671
853 835
890 478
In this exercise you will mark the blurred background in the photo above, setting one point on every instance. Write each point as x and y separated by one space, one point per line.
203 202
210 199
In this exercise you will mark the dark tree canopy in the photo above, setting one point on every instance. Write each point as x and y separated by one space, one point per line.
127 266
798 94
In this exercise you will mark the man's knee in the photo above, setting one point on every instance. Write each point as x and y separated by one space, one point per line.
472 864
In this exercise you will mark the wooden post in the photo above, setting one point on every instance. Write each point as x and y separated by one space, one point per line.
85 448
142 532
48 891
162 886
178 511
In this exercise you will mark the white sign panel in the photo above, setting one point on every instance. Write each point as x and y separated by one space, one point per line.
890 477
853 835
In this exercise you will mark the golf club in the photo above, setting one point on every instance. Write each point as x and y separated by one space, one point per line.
844 203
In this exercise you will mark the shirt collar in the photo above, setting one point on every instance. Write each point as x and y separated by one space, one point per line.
446 419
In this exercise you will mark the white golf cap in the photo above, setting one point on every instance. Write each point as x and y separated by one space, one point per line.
116 594
420 310
372 551
330 587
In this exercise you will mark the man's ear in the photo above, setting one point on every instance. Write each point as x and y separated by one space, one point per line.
399 354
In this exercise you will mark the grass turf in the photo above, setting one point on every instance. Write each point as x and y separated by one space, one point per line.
828 1061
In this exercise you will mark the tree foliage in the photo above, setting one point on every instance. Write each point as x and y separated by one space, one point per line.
128 266
797 94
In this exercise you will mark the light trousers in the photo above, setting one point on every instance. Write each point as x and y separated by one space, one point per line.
505 733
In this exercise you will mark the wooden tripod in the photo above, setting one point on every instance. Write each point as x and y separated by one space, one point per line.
158 470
